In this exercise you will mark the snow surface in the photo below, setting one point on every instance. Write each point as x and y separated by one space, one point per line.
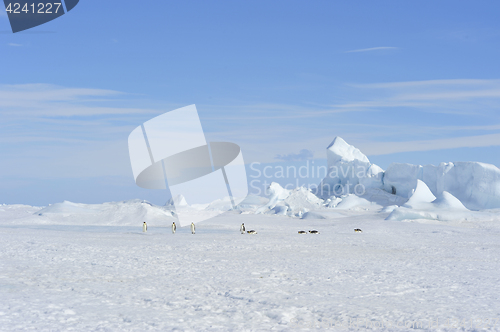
116 278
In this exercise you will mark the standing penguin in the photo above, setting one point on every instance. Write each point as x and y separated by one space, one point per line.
174 228
193 228
144 227
242 228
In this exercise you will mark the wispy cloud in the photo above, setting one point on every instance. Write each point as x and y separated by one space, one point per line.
381 148
14 45
460 96
424 115
304 154
46 100
380 48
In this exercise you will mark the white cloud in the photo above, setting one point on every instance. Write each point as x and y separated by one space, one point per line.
14 45
380 48
460 96
436 114
381 148
46 100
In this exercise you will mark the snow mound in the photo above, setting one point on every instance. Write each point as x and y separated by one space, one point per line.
312 215
423 205
421 195
125 213
445 200
297 201
352 201
332 202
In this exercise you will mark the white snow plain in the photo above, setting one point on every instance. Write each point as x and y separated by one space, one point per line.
82 277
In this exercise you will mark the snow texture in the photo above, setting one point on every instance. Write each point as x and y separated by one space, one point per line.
117 278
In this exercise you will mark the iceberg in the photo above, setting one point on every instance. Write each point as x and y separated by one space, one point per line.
348 167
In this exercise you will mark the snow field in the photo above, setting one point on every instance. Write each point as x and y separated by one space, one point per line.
87 278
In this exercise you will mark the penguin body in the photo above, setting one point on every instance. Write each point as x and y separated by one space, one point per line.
302 232
193 228
358 230
251 232
242 228
144 227
314 231
174 228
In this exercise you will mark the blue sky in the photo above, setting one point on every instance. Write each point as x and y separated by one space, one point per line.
415 82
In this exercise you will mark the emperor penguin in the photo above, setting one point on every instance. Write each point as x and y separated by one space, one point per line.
242 228
144 227
193 228
174 228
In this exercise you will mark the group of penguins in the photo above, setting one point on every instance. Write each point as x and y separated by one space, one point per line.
242 229
174 227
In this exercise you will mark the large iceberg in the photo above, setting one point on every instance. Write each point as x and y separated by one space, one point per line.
348 168
476 185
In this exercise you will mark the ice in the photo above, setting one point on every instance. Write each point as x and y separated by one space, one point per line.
445 200
475 184
424 205
420 196
297 201
348 167
340 151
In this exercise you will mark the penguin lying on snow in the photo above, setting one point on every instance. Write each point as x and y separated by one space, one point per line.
242 228
174 228
357 230
314 231
252 232
144 227
302 232
193 228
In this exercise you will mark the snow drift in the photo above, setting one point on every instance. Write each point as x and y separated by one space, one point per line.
125 213
424 205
